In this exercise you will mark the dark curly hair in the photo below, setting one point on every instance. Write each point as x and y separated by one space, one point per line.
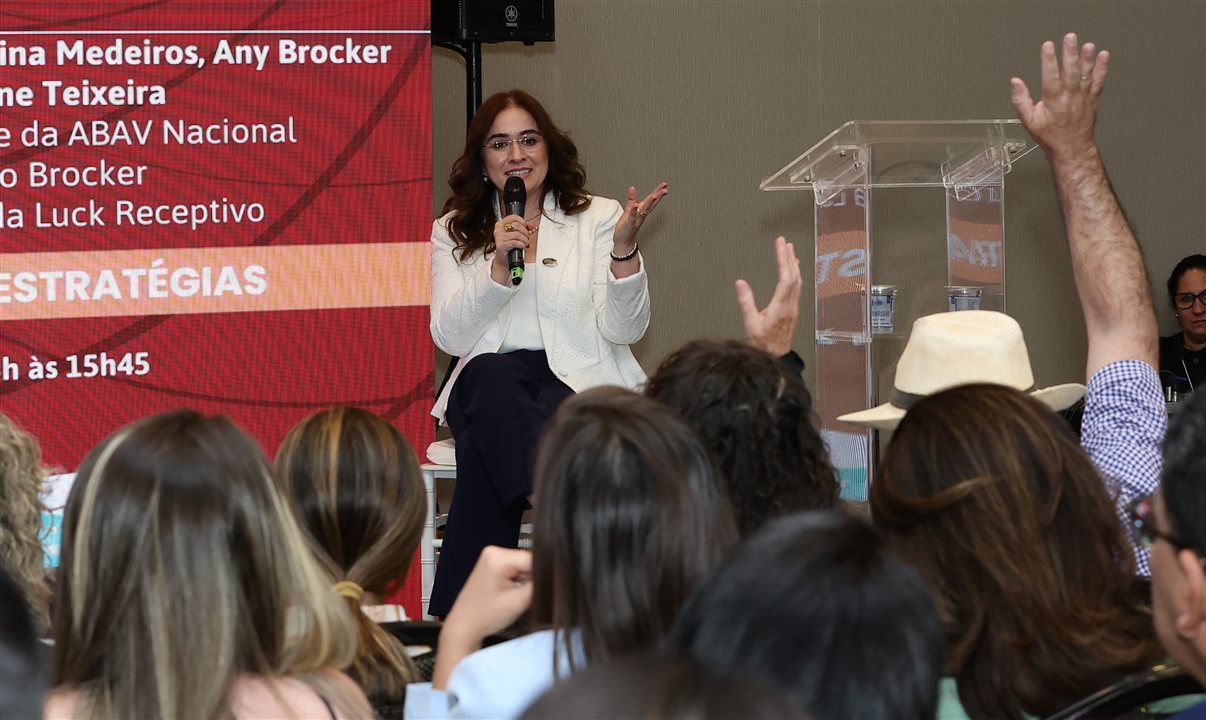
1191 262
756 418
472 221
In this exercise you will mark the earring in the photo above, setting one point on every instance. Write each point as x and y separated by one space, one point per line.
485 177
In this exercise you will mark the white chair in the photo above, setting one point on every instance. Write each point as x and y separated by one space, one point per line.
441 465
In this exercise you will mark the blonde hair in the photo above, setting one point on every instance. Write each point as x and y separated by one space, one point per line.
357 490
183 568
21 479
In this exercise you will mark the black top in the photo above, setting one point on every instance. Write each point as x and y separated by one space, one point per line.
1182 369
793 362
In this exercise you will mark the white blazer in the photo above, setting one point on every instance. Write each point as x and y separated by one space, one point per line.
587 317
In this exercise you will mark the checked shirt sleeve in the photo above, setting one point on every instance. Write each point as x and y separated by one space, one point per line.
1123 428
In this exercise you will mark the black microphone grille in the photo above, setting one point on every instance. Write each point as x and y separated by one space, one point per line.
514 190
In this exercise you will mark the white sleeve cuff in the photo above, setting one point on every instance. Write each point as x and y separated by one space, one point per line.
423 701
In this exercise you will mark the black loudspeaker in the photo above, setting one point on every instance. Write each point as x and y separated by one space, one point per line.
489 21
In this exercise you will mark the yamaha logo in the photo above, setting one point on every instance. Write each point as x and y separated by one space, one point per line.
512 13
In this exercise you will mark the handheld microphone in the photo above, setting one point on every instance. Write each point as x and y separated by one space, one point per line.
515 196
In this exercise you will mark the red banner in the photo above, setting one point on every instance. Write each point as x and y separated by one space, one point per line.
220 205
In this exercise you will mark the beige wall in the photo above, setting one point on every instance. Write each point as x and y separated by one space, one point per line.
714 96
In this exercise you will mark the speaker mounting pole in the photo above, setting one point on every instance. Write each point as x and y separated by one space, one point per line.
471 51
473 80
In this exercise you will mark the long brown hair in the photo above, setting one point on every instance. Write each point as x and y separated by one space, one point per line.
988 494
357 491
21 479
183 569
471 203
630 517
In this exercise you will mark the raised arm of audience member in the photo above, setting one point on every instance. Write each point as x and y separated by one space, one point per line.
1124 419
497 592
1108 266
772 327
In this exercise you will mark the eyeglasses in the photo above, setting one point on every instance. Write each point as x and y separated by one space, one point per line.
1184 301
1143 518
526 143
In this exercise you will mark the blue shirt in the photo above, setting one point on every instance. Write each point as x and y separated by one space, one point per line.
496 682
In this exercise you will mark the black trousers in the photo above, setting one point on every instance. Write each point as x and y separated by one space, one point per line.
497 410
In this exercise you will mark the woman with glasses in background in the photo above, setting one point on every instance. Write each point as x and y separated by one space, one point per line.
524 346
1183 355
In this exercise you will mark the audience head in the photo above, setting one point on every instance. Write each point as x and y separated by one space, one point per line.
816 605
22 655
1177 534
182 569
1187 281
630 517
651 687
987 493
474 196
756 417
21 479
357 492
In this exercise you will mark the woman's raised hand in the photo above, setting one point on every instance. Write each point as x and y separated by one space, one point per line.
635 212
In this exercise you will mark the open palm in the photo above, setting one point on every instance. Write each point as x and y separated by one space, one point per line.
1062 119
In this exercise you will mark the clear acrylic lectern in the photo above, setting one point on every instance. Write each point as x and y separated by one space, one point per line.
890 249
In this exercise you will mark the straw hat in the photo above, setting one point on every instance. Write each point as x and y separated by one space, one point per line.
957 348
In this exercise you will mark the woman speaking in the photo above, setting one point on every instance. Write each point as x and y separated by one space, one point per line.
525 347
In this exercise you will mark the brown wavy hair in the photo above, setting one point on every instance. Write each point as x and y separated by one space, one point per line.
630 517
357 491
21 478
756 417
987 493
472 200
